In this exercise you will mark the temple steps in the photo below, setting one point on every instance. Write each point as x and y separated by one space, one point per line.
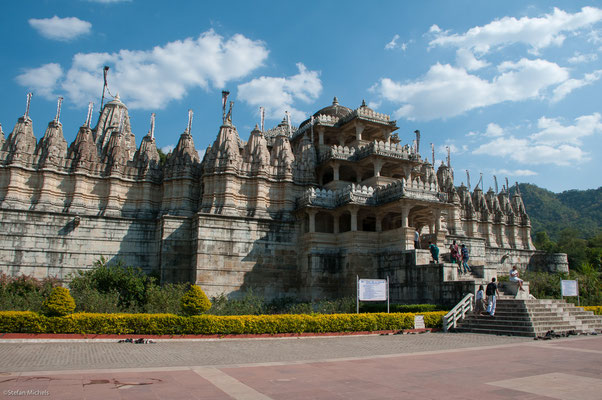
532 318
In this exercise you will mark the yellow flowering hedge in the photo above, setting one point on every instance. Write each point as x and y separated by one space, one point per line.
596 309
169 324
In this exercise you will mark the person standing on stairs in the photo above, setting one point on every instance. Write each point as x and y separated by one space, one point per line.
514 278
434 252
416 239
464 252
491 292
479 301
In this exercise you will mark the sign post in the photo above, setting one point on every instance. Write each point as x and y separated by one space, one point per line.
569 288
372 290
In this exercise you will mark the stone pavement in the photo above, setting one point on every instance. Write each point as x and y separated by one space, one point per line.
430 366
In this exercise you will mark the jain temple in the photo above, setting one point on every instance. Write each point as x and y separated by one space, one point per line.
292 211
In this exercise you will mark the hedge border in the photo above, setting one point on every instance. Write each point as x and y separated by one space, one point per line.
596 309
170 324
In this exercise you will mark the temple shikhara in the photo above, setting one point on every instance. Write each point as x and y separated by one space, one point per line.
292 211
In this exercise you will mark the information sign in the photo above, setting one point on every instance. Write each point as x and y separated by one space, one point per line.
569 288
419 322
372 289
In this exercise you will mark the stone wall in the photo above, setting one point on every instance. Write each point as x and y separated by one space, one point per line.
52 244
235 254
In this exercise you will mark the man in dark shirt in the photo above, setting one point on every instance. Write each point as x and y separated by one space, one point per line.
491 292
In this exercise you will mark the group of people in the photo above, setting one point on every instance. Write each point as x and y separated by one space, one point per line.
460 256
489 294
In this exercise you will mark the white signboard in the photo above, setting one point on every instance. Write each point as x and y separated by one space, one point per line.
373 289
569 288
419 322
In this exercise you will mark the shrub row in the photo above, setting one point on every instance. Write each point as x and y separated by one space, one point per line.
596 309
170 324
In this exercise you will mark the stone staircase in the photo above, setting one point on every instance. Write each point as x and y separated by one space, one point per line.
532 317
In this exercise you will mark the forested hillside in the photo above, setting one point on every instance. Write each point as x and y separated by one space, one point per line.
579 210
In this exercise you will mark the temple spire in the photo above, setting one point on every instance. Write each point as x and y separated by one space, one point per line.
29 96
121 119
152 126
189 126
225 95
89 116
58 110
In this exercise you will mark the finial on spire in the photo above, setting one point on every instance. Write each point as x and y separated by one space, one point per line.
189 126
29 96
262 114
288 122
507 186
364 103
417 132
152 126
433 151
58 110
481 181
89 116
335 101
448 157
225 95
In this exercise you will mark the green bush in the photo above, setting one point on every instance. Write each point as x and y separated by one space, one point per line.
165 299
24 292
59 302
90 300
131 283
169 324
195 301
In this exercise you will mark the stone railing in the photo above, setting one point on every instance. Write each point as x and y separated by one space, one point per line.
327 120
366 113
367 195
338 153
388 150
450 320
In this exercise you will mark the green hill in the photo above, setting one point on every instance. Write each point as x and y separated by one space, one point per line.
580 210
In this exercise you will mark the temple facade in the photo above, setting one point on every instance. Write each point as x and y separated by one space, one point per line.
293 211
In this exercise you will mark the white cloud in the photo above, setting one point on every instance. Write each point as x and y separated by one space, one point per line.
168 149
552 132
493 130
583 58
392 44
447 91
43 80
569 85
516 172
538 33
466 59
554 143
525 151
278 94
64 29
150 79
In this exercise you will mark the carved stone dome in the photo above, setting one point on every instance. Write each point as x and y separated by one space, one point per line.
334 110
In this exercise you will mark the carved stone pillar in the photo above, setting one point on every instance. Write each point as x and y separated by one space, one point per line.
312 220
335 172
321 135
336 222
353 210
379 225
378 164
359 128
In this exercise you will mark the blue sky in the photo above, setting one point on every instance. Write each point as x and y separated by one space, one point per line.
512 87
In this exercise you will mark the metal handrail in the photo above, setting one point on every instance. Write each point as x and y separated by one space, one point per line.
458 312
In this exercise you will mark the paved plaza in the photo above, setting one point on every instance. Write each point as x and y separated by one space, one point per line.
427 366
